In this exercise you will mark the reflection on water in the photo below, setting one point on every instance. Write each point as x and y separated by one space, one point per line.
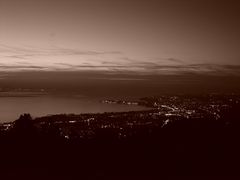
12 107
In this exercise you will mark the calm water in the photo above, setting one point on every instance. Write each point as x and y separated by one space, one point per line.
12 107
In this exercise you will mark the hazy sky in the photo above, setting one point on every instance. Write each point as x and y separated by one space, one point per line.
161 36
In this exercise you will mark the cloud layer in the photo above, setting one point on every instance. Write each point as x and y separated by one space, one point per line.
65 59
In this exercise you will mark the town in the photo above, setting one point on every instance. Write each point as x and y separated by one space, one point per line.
163 111
177 136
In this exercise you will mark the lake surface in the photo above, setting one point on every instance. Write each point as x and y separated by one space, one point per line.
12 107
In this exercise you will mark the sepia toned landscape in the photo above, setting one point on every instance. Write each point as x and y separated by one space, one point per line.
107 89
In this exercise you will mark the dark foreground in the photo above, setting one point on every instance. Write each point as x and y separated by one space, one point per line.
183 149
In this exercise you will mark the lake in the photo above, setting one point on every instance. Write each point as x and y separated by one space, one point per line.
12 107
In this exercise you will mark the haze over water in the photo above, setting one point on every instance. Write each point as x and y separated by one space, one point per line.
43 93
13 107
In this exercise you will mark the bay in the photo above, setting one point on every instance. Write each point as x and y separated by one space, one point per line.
12 107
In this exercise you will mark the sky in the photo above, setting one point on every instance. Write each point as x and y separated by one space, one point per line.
134 36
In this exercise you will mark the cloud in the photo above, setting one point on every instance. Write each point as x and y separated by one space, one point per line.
175 60
154 68
118 79
6 67
24 53
65 59
203 69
